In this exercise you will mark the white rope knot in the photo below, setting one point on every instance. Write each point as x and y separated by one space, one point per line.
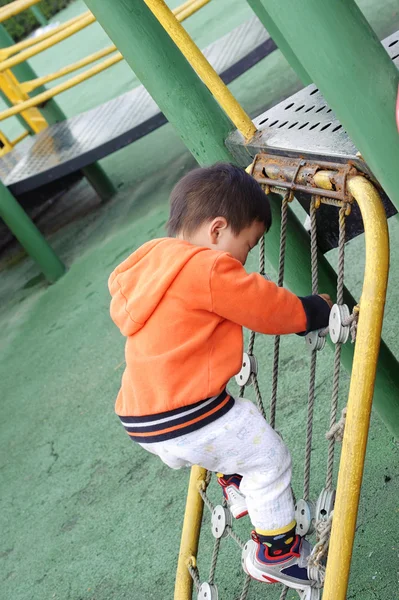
336 432
316 566
352 321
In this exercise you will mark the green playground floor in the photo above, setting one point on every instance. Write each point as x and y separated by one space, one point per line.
84 513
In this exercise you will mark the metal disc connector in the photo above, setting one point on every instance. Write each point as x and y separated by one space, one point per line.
314 341
304 516
324 504
207 592
249 368
339 328
220 521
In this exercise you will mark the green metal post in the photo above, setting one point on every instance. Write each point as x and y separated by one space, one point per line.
100 181
343 56
39 16
280 40
169 78
298 279
24 72
29 236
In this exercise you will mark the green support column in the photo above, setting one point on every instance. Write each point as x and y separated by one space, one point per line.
343 56
39 16
298 279
100 181
29 236
279 39
160 66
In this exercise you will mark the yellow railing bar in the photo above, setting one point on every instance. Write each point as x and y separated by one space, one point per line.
190 534
182 7
20 138
202 67
56 35
31 85
58 89
85 21
189 8
15 48
14 8
361 386
10 86
62 87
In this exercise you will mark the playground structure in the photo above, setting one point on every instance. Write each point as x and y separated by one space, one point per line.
51 148
281 170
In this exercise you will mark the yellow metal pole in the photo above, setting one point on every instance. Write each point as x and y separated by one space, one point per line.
14 8
88 19
32 41
361 387
187 11
28 86
58 89
66 85
182 7
10 87
52 37
190 534
200 64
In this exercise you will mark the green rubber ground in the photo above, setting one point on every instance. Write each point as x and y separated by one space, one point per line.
84 513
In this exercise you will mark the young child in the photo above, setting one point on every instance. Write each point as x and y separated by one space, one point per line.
182 302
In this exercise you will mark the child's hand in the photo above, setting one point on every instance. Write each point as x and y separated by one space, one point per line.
327 298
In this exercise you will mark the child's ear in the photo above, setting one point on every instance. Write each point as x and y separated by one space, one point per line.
216 229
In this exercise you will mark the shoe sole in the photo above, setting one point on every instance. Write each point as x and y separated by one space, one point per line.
240 515
248 565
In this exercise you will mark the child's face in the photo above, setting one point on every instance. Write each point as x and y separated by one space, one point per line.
218 235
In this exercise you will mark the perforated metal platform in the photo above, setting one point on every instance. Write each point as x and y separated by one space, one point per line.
304 125
73 144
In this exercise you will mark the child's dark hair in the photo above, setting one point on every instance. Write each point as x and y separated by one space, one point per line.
222 190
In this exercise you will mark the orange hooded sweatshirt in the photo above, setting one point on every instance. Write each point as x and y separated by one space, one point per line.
182 309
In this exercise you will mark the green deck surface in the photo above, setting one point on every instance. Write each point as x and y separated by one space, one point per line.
84 513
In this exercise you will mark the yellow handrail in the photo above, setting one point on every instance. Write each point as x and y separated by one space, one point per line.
58 89
189 8
66 85
32 41
182 12
31 85
361 386
190 534
14 8
65 30
86 20
202 67
10 86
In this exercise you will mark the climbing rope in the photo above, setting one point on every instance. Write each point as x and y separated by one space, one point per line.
322 521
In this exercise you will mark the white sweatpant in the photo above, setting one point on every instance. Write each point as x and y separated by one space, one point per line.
240 442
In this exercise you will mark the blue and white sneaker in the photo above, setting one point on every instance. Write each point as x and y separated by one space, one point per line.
234 498
289 569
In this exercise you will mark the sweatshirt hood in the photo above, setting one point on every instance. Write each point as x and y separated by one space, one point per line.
139 283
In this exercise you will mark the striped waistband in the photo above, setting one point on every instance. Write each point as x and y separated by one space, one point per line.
174 423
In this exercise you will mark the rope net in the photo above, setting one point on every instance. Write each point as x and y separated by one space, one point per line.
314 515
